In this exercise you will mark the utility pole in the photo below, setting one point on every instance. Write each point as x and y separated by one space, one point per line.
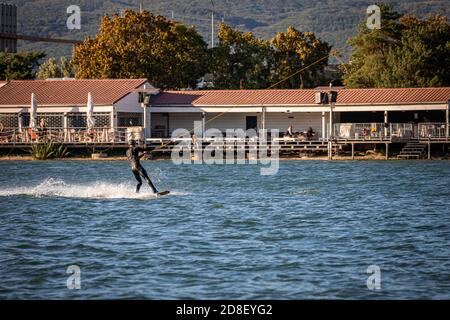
141 6
212 25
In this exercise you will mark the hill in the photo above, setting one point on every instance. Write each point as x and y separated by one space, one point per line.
333 21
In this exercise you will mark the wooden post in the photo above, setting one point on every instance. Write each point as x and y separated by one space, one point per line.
429 150
263 118
353 151
447 120
330 133
203 126
387 151
324 127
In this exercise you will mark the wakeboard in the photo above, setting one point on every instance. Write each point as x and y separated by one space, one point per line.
162 193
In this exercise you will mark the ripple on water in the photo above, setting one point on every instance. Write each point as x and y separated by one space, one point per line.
226 232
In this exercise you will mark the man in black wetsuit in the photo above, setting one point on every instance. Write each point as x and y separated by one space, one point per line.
134 156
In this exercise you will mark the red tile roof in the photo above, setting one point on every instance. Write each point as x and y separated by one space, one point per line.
301 97
66 92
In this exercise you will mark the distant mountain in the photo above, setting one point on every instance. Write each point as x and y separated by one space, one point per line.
333 21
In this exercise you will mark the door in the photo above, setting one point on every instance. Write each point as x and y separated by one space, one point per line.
251 122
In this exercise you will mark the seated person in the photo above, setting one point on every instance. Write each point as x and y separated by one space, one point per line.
90 135
43 127
374 131
32 135
301 136
289 132
310 133
365 132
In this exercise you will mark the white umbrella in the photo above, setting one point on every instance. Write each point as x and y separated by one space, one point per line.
90 113
33 112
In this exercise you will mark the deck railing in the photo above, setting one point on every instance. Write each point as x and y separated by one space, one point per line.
435 130
121 135
100 135
389 131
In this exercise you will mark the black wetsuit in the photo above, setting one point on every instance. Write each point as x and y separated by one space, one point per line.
134 156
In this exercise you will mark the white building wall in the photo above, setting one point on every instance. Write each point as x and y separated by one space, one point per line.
183 121
299 121
130 103
228 120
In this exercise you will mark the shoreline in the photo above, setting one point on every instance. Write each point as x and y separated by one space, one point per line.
317 158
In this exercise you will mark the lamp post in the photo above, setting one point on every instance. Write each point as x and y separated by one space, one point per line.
212 24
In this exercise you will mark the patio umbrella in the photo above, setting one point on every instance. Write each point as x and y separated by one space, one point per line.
90 113
33 112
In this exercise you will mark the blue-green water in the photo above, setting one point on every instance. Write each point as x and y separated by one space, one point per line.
311 231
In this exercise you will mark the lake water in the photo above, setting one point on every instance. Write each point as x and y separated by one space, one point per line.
226 232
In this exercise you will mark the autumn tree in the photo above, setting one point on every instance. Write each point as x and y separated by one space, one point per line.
51 69
142 45
19 66
241 60
296 50
405 52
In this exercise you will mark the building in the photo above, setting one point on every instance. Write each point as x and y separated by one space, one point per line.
279 109
8 28
63 104
133 107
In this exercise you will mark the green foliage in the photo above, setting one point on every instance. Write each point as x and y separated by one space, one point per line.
66 68
297 50
405 52
142 45
332 21
19 66
60 151
48 150
243 60
51 69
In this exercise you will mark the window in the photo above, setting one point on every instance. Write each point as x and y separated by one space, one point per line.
129 119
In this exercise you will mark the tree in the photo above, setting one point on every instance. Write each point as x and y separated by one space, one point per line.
142 45
422 59
19 66
241 60
50 69
296 50
405 52
66 67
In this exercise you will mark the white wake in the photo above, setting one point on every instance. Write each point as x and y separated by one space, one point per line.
97 190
